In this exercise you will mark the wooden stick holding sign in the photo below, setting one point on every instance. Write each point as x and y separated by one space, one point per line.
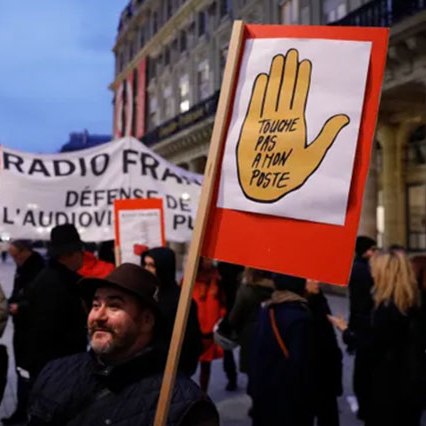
217 139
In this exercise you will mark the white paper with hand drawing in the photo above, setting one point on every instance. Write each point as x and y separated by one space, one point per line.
291 144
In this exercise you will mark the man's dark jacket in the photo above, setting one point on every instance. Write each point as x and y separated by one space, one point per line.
24 275
80 391
56 316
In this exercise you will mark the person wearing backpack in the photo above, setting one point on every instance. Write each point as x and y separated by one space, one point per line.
281 379
396 345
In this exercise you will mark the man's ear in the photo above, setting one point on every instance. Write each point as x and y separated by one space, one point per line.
147 320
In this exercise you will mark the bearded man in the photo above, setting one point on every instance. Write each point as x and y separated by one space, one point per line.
118 381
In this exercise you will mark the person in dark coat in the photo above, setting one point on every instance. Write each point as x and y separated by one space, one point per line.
161 261
397 351
360 307
281 365
256 287
106 251
229 282
56 317
119 380
327 371
28 265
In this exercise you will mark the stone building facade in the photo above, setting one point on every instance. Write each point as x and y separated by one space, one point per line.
170 56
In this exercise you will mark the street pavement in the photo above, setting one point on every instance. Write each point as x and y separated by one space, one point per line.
233 406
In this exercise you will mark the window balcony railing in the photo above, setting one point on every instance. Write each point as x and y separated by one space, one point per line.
197 113
382 13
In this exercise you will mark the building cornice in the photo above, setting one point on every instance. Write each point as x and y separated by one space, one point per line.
188 143
167 30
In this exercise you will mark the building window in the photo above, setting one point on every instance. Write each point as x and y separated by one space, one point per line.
416 217
416 147
154 20
203 80
134 100
124 109
191 34
169 8
355 4
184 102
175 46
333 10
341 11
289 11
142 37
152 68
224 7
182 40
131 50
120 61
168 102
222 59
305 15
153 112
167 56
201 23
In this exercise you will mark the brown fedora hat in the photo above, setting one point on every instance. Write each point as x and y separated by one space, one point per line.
128 277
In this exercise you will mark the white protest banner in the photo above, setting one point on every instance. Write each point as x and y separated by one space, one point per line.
38 192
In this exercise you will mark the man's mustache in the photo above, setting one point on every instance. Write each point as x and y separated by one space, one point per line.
93 329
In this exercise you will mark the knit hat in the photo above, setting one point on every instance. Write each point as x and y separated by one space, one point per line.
64 239
363 244
290 283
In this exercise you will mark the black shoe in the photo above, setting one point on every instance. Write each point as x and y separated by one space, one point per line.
231 386
16 418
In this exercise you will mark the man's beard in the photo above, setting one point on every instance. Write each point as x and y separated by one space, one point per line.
113 344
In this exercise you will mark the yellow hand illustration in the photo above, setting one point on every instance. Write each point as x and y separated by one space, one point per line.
273 157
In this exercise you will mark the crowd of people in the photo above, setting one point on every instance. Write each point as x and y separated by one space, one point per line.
91 339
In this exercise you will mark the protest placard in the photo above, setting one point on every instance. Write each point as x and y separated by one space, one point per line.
296 156
138 223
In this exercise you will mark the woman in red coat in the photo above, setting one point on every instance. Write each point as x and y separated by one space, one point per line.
211 307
